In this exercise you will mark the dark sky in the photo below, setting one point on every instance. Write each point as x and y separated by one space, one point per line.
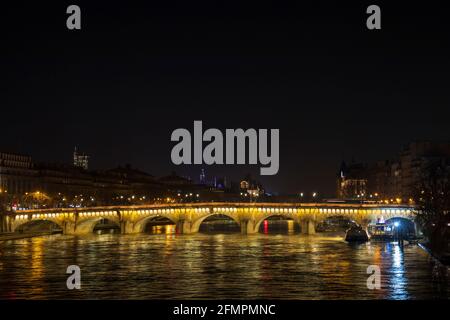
136 71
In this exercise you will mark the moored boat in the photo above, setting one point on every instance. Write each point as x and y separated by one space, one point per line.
381 231
356 234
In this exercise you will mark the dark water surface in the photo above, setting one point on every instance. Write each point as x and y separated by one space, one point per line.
215 266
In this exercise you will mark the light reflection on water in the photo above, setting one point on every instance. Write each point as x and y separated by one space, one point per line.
399 280
214 266
164 229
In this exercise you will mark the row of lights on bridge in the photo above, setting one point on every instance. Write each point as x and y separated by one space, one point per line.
225 209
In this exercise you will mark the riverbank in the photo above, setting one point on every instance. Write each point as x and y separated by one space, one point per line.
17 236
444 259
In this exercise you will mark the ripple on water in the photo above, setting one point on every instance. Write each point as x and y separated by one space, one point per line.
214 266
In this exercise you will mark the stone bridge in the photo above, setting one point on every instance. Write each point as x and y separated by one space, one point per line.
188 217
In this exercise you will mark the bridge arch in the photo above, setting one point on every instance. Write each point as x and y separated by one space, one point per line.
196 224
388 214
335 223
407 224
87 225
287 216
139 226
20 225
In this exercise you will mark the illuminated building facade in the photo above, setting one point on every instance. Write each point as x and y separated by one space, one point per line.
20 176
391 180
17 174
80 160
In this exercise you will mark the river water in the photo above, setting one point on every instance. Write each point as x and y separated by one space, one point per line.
165 265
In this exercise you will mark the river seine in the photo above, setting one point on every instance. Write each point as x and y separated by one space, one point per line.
165 265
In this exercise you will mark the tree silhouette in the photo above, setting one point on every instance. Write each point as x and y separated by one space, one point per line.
432 197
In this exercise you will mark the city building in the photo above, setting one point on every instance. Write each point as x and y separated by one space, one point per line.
392 180
80 160
17 173
24 183
250 187
352 181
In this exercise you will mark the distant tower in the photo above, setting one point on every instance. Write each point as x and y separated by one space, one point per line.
340 181
203 177
80 160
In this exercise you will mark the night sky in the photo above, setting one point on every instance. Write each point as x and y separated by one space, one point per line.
136 71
